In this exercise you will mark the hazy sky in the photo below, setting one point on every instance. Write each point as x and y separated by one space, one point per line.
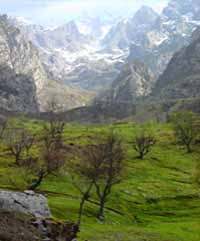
55 12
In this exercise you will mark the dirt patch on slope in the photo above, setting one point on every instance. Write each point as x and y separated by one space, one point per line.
17 227
20 227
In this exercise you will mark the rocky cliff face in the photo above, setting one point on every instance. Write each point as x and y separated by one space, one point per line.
17 91
20 54
181 79
153 38
130 30
134 81
168 34
25 85
22 75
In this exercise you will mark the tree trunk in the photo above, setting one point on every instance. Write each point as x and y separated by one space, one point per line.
189 149
141 156
17 159
101 215
81 210
83 199
38 181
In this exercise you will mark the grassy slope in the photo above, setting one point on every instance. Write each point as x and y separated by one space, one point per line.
156 202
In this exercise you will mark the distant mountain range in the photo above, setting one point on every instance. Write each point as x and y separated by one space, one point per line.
113 62
152 44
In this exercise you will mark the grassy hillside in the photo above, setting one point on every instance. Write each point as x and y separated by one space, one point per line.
157 201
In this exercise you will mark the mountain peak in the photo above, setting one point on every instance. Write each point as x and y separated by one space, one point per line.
69 29
145 9
145 15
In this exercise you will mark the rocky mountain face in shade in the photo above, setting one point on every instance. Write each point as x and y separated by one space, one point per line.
181 79
17 91
134 81
22 75
25 84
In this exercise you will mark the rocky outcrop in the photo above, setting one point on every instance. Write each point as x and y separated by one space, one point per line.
26 216
27 202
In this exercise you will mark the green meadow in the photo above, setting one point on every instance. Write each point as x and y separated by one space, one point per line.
158 199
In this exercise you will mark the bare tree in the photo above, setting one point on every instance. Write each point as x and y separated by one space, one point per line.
84 170
110 169
18 141
29 144
52 159
84 187
54 125
143 142
100 165
186 127
53 153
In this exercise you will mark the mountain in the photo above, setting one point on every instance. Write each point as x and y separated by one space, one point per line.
83 54
170 32
72 53
25 84
130 30
181 79
122 60
134 81
144 17
22 75
64 36
153 38
151 51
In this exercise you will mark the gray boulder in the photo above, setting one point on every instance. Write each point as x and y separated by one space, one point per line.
27 202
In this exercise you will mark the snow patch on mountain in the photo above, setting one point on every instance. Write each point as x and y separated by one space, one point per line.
21 20
83 28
